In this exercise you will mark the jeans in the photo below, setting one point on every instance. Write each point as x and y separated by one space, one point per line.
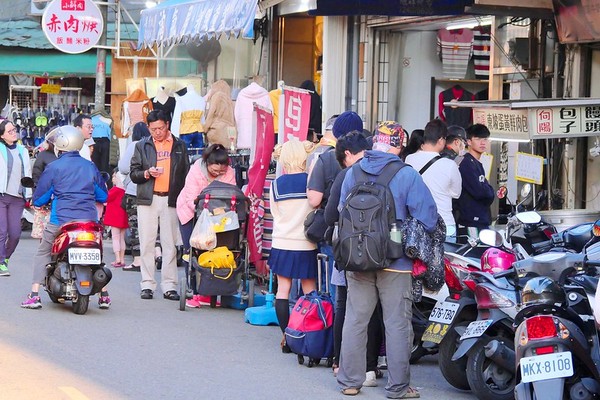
11 211
195 140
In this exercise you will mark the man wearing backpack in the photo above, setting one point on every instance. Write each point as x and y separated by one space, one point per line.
391 281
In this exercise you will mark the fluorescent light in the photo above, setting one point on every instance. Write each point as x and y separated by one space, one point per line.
150 4
469 23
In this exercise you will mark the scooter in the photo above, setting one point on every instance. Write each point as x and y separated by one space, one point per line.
556 343
76 270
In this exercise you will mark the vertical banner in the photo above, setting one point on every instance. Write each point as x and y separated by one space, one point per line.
257 173
296 114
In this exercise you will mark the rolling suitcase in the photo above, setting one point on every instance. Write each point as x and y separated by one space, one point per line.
310 329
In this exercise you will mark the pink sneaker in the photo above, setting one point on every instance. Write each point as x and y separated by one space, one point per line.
32 303
104 302
205 301
194 302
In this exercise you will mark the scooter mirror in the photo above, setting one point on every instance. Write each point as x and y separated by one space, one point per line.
490 237
529 217
27 182
525 190
501 192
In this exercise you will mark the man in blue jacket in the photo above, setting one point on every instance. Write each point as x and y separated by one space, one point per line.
393 285
73 185
477 194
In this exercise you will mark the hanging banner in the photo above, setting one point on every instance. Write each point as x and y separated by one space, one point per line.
569 121
257 174
296 114
503 123
73 26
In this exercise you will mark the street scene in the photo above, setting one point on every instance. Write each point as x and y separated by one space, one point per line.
151 350
225 199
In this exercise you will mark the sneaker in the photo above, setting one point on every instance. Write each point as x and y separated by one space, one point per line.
32 302
4 269
194 302
370 379
104 302
205 301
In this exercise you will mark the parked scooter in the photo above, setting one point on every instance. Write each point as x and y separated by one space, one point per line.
556 343
77 269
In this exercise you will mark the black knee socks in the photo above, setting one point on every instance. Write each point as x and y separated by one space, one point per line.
282 309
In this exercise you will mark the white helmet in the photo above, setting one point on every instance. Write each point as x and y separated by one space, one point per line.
65 138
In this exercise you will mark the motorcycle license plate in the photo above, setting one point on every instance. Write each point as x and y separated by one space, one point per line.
84 256
440 319
547 366
443 312
476 328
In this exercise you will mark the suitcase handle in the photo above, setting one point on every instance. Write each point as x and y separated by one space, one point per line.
320 258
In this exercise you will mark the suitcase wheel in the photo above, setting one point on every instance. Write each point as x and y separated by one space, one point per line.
329 362
313 361
300 359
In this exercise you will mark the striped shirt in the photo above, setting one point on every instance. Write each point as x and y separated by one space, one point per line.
481 52
455 48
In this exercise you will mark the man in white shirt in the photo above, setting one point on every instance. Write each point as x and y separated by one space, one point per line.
441 176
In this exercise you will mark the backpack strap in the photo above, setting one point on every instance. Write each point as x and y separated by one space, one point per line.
429 164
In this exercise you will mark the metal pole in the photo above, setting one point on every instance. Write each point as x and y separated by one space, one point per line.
100 92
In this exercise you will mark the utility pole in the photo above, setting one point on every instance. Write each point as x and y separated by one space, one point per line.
100 92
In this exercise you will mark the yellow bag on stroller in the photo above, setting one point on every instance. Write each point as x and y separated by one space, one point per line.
220 257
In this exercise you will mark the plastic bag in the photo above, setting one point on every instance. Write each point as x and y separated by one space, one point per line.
203 236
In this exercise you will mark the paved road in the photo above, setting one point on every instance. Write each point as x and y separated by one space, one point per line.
141 349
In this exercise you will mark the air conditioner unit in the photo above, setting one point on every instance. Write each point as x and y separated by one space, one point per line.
37 7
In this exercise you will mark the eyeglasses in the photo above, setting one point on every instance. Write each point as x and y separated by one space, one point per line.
89 126
13 130
158 128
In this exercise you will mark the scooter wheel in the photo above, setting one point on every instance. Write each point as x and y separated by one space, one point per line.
487 379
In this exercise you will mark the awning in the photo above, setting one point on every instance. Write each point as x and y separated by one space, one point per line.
391 8
49 63
179 21
523 120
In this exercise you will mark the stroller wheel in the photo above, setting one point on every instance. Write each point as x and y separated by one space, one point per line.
213 301
300 359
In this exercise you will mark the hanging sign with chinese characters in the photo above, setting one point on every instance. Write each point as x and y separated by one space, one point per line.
561 122
503 123
72 26
296 114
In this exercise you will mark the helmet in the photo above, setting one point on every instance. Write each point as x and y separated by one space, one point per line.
65 138
542 290
495 260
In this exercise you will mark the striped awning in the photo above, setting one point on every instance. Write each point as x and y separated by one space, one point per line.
180 21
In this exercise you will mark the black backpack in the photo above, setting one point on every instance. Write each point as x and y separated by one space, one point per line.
363 242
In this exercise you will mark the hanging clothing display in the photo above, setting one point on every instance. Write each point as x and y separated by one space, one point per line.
162 101
220 123
244 109
136 108
188 118
455 49
461 116
481 51
103 129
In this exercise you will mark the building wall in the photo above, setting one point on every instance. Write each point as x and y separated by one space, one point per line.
593 164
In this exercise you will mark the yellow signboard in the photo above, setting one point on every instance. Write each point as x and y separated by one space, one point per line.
50 88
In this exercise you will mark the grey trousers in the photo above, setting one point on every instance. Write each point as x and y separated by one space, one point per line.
43 255
393 289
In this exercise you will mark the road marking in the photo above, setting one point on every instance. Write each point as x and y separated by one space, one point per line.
73 393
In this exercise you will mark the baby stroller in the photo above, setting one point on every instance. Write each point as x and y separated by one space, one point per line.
219 198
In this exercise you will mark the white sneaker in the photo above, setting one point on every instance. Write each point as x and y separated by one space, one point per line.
370 380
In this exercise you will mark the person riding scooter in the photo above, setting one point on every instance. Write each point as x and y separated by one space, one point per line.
73 185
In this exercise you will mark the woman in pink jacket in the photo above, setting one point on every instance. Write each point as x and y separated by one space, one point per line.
214 165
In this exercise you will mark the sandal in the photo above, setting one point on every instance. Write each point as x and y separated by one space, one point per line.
171 295
411 393
117 264
350 391
132 267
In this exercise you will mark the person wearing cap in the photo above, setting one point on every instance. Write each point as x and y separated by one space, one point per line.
477 194
393 285
326 168
440 174
456 141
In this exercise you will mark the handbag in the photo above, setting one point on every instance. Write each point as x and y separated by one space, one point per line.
41 216
315 226
221 257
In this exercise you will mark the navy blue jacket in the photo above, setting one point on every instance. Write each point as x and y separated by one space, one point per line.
476 196
73 185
